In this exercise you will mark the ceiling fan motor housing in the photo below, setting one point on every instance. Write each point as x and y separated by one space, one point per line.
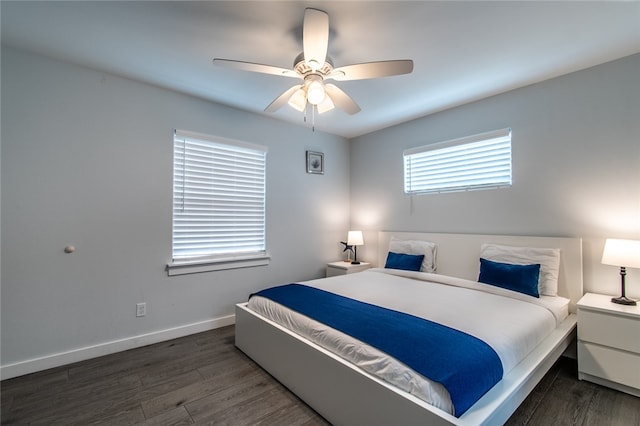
301 67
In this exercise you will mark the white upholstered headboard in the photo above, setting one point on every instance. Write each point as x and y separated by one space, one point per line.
458 255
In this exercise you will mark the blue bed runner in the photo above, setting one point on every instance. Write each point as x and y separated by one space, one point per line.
464 364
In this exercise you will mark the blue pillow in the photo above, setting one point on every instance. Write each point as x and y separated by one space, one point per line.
406 262
520 278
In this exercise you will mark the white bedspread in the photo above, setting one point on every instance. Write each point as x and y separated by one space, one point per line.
511 323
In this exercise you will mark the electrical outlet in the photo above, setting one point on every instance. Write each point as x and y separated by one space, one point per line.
141 309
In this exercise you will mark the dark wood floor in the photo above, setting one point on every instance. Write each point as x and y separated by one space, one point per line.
204 380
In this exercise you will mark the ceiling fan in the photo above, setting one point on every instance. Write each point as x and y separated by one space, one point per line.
314 66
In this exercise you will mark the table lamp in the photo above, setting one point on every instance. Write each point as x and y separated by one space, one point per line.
625 254
354 238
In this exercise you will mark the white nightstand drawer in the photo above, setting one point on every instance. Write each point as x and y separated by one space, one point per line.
609 330
344 268
611 364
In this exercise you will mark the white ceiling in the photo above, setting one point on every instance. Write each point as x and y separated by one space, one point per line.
462 51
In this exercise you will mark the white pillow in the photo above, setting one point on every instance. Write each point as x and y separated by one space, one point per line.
548 258
428 249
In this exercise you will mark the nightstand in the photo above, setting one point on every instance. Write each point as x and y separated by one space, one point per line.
609 343
344 268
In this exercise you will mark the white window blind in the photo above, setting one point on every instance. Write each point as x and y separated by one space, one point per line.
218 198
474 162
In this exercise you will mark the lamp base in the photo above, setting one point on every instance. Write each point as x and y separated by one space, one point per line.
623 300
357 263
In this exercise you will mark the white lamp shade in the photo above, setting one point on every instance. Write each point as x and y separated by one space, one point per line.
621 253
315 93
325 105
354 238
298 100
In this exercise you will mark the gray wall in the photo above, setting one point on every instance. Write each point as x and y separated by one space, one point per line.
87 160
576 168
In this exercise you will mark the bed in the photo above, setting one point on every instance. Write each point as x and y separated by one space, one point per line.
345 393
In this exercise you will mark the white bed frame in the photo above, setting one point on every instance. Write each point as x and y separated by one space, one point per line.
345 395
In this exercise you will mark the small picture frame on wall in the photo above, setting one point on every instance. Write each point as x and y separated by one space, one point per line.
315 162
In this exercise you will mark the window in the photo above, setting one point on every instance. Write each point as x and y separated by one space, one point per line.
219 196
475 162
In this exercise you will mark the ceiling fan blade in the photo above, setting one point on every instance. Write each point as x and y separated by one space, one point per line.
315 37
372 70
341 99
281 100
249 66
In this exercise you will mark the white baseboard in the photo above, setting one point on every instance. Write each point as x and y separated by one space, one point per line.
81 354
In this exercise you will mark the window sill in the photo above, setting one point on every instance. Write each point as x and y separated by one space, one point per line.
194 267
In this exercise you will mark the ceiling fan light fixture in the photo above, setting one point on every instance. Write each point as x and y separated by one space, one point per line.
298 100
315 93
325 105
